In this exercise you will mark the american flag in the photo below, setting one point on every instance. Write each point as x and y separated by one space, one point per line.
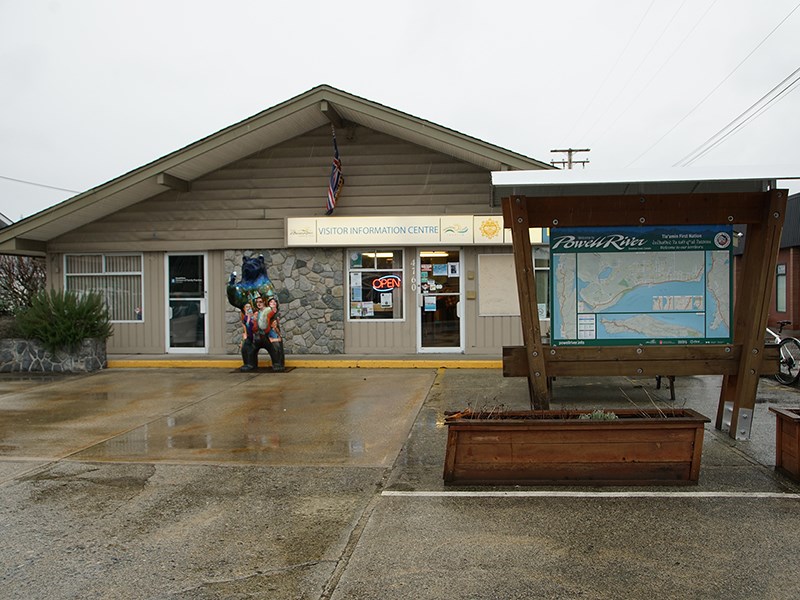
336 182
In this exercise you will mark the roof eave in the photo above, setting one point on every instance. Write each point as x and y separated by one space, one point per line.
288 119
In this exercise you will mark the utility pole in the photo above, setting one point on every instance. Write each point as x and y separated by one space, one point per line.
569 162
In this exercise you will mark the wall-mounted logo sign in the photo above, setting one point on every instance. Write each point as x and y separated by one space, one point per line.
490 228
387 282
456 230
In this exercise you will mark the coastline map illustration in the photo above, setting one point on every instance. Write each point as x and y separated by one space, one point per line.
641 285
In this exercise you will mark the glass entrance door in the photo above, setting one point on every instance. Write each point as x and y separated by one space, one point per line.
440 323
186 303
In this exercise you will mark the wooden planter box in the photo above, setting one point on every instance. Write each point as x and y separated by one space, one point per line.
641 447
787 441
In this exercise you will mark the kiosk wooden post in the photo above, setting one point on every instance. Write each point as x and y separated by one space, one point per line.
528 305
740 363
751 312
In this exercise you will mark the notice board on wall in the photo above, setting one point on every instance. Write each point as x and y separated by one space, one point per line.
497 286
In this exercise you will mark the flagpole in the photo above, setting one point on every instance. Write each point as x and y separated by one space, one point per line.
336 180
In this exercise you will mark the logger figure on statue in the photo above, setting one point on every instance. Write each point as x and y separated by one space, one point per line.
262 330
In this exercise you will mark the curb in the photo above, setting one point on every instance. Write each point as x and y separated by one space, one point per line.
310 364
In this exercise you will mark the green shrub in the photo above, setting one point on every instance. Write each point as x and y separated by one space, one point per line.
61 320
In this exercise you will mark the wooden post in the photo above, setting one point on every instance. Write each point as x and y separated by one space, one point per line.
528 306
751 310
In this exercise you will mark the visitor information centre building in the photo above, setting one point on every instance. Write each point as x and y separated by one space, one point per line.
414 259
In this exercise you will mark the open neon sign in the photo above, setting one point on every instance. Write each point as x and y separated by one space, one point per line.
387 282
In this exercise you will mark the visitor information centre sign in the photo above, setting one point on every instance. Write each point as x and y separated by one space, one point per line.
641 285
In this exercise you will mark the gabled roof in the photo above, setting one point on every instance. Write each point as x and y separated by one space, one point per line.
310 110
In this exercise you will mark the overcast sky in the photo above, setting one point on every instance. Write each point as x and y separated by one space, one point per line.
92 89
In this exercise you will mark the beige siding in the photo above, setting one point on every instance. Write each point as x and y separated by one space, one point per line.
148 336
217 301
487 335
244 204
55 273
380 338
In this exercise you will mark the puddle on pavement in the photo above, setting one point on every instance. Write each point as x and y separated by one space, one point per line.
335 417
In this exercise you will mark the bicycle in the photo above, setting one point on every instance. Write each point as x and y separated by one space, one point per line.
789 350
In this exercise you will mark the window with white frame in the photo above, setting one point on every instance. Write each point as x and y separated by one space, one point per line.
780 288
375 284
118 277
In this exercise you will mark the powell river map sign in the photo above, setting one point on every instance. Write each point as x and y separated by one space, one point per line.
641 285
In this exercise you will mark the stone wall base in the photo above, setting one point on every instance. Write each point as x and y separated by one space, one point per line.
309 283
17 355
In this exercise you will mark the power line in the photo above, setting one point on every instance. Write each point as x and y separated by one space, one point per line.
636 70
754 111
761 111
655 75
728 76
43 185
613 68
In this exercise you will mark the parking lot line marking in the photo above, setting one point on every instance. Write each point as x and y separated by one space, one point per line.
567 494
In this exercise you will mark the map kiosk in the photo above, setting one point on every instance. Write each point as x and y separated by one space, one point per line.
685 327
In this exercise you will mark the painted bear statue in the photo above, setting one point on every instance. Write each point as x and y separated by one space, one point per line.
254 282
254 295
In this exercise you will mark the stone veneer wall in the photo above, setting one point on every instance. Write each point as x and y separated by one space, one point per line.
309 283
18 355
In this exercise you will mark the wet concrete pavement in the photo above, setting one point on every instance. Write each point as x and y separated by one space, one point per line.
327 483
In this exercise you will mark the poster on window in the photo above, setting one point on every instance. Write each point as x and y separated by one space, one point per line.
430 303
440 270
386 300
367 309
453 269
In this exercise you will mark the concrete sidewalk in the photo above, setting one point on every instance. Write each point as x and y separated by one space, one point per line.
327 483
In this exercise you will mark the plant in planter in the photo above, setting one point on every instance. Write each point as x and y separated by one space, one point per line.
63 324
599 415
62 320
623 447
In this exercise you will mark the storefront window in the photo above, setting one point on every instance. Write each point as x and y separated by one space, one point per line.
375 283
117 276
780 289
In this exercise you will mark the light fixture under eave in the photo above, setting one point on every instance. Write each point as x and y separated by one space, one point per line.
433 254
